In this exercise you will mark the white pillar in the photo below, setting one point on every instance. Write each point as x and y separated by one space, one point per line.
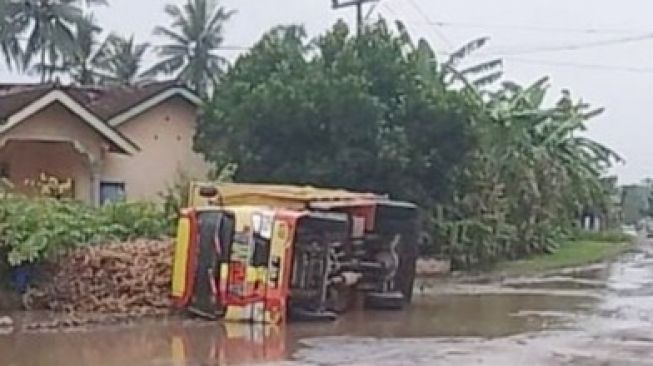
586 223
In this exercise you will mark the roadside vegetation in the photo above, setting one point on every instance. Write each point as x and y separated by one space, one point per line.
499 172
32 229
587 249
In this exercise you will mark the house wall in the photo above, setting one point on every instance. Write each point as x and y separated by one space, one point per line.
44 142
165 136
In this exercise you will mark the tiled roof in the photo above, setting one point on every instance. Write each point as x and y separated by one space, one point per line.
11 103
104 102
100 103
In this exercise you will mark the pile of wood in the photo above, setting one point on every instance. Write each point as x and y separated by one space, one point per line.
125 278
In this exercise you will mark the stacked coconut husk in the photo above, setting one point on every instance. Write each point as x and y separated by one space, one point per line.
130 279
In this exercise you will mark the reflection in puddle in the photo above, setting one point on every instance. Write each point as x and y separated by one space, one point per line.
232 344
175 343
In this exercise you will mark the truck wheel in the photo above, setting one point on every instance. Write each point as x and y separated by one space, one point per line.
394 300
405 279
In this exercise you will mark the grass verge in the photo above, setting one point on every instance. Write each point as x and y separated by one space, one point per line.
571 254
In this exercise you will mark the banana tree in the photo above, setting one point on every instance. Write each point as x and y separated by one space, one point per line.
533 171
447 72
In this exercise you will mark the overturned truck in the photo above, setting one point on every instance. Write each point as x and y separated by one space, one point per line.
266 253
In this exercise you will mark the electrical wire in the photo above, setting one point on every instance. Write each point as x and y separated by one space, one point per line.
529 28
524 50
434 29
572 47
390 10
371 11
583 66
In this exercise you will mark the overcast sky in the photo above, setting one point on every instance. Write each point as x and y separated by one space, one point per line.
602 50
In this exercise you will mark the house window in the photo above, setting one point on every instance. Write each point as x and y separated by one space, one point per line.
112 192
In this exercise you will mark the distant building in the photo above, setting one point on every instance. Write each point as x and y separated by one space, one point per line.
110 142
635 203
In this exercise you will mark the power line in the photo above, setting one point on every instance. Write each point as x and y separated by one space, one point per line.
388 8
525 50
530 28
573 47
437 32
371 11
584 66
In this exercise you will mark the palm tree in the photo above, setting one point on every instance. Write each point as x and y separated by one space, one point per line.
9 40
195 36
83 64
121 60
49 27
51 31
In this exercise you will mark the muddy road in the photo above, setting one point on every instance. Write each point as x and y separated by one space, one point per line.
596 315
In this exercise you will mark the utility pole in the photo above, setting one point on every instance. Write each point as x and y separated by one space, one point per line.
337 4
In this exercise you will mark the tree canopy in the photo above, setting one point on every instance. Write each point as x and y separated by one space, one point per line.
337 111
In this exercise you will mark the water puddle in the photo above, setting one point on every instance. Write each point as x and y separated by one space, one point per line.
600 314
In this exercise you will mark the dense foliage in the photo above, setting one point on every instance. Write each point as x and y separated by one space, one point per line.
530 177
341 111
499 174
34 228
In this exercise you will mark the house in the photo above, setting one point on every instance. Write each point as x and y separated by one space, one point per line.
106 142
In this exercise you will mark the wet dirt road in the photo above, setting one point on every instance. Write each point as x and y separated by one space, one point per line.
596 315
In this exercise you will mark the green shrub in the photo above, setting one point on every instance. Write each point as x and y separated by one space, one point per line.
32 229
132 220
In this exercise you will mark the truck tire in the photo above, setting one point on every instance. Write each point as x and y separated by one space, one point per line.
394 300
405 278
